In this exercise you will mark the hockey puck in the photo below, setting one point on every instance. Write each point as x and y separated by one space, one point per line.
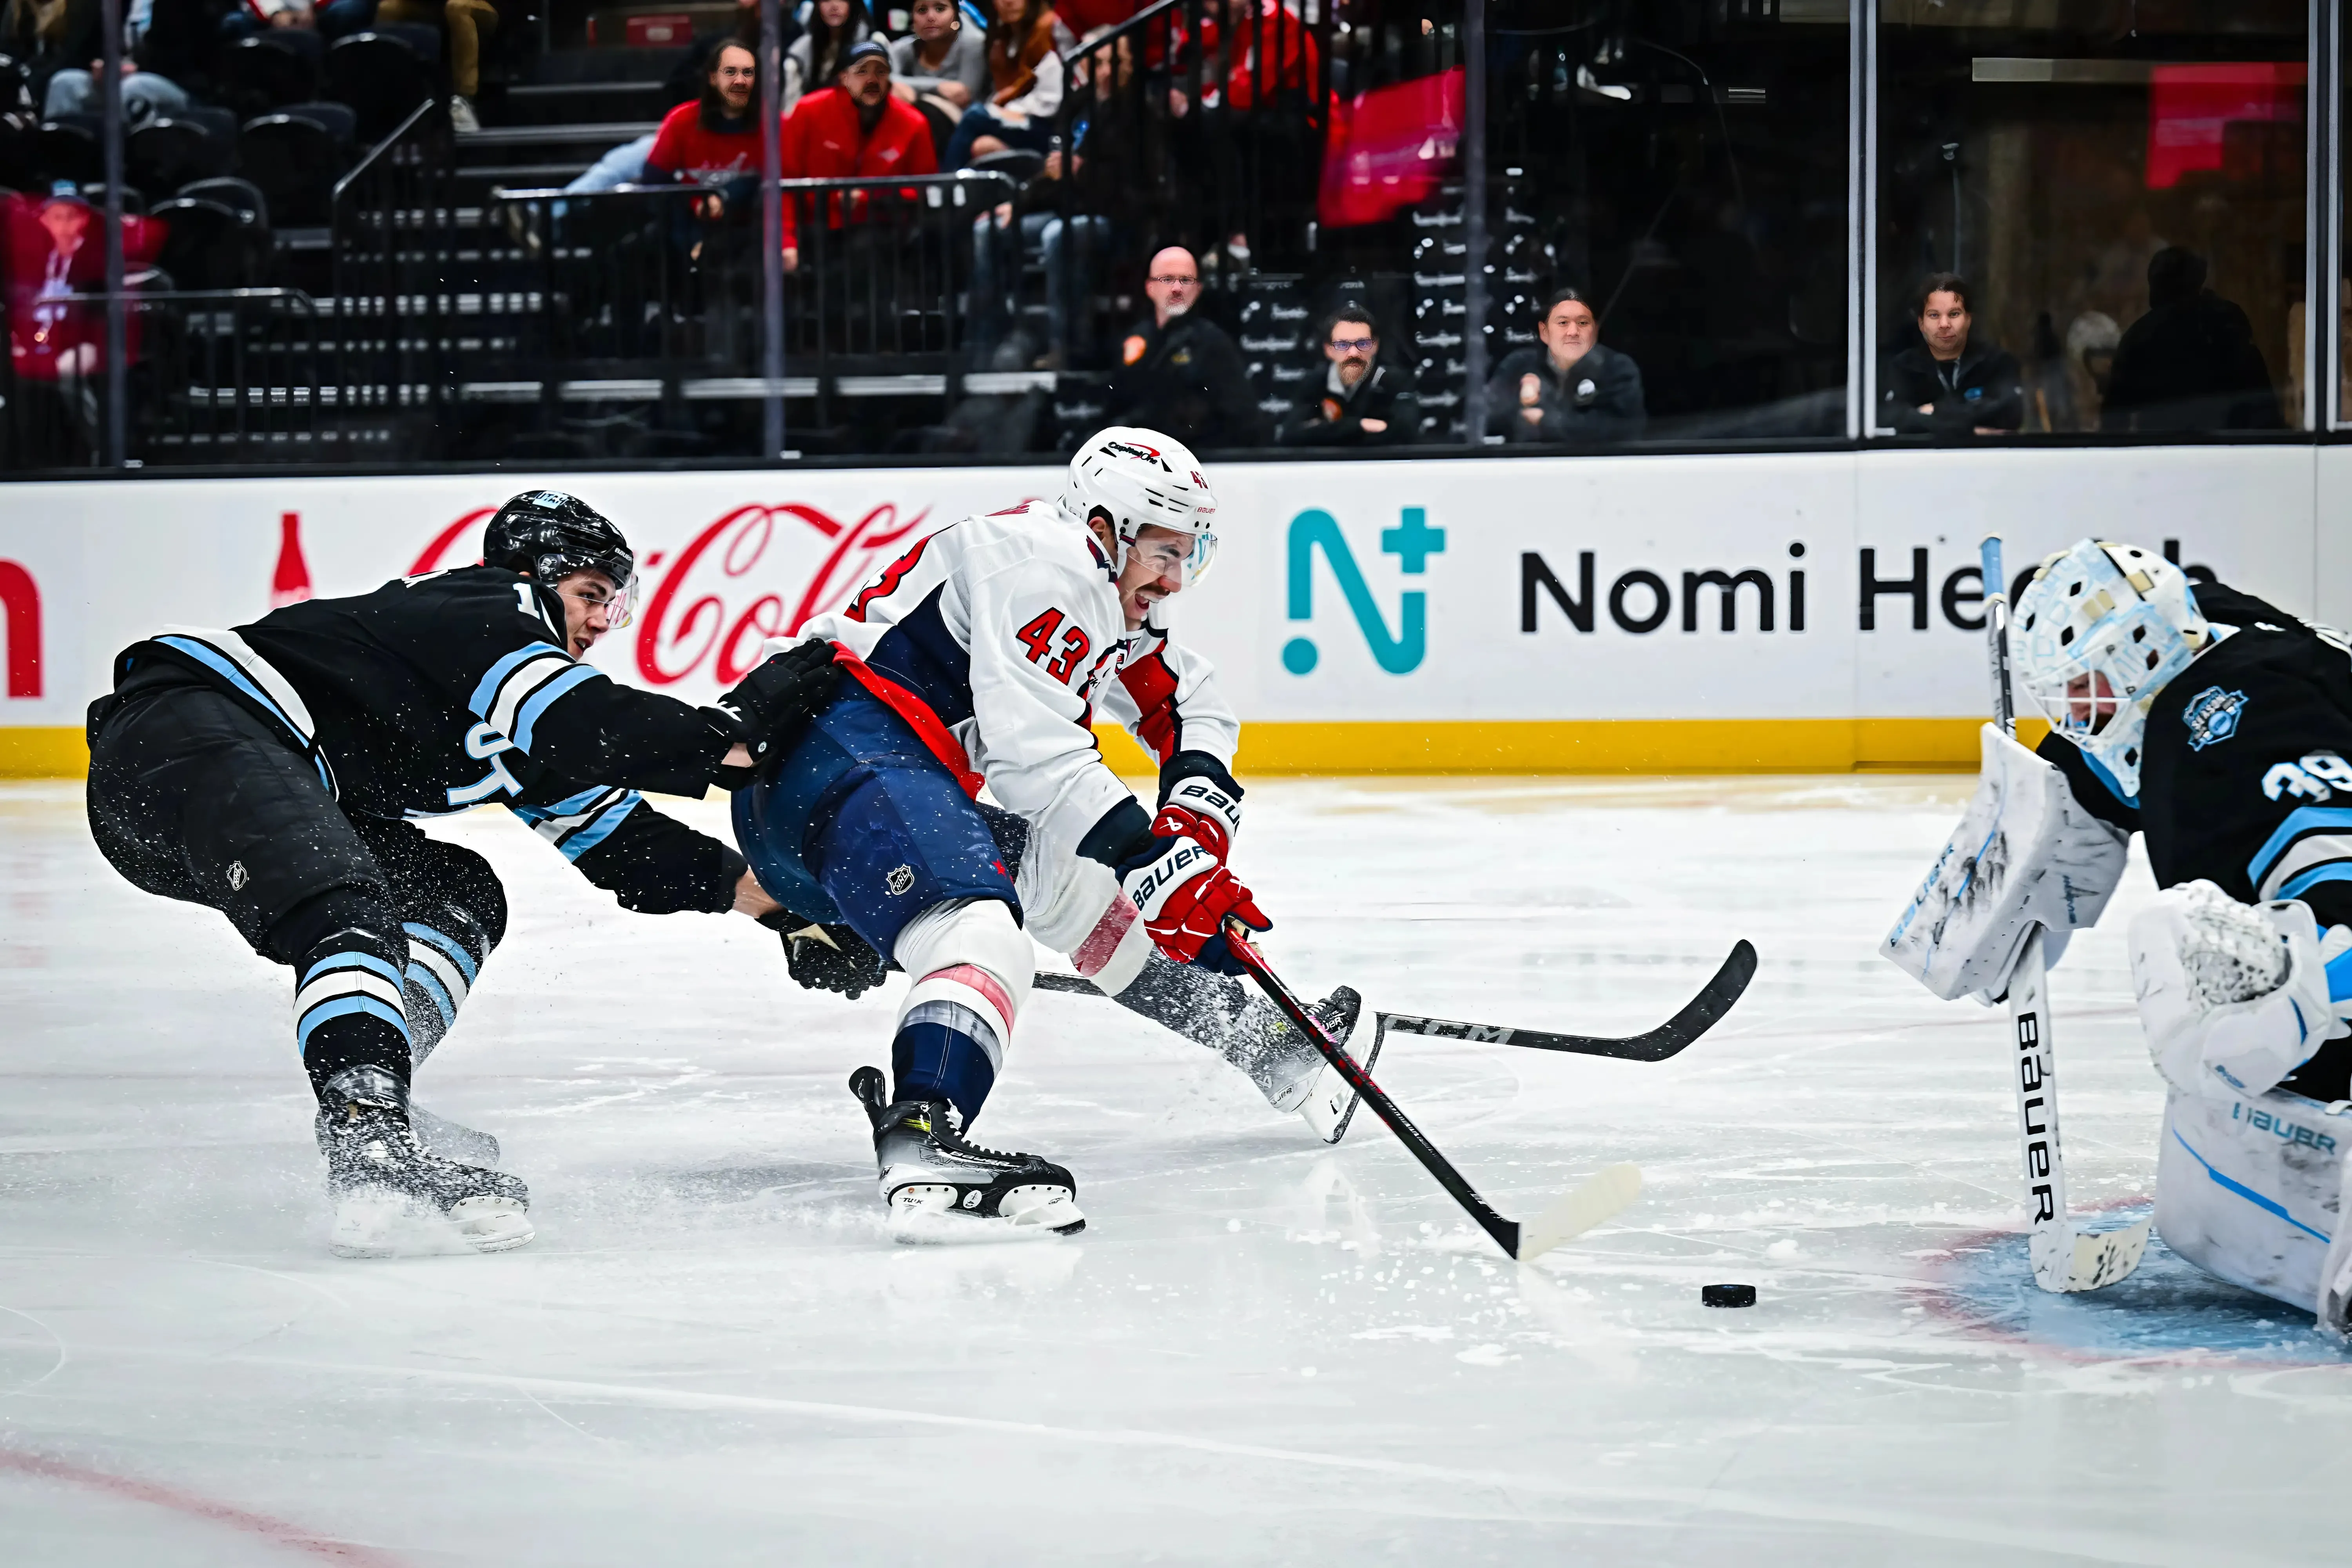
1727 1295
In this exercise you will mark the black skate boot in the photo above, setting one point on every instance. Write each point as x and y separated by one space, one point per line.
1287 1068
391 1195
936 1183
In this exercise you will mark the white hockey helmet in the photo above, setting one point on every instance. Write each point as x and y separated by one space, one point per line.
1139 477
2111 611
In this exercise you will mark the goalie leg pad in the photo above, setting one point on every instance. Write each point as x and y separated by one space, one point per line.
2250 1189
2233 996
2025 854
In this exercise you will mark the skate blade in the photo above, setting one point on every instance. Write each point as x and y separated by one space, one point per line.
452 1140
373 1222
1330 1105
930 1215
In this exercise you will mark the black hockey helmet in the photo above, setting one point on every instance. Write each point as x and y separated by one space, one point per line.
547 535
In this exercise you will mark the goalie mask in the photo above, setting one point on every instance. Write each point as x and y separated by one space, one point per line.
1137 478
2102 629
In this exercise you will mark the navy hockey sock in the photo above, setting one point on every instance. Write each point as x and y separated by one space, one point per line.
444 958
943 1051
349 1007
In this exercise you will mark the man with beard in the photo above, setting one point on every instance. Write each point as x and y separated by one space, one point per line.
856 131
1361 402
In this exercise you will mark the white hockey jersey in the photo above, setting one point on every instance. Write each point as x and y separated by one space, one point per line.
998 638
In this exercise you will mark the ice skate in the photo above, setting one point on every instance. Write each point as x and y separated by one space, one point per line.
393 1197
1287 1068
940 1188
452 1140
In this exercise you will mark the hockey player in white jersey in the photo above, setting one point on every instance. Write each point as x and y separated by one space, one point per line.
2218 726
980 656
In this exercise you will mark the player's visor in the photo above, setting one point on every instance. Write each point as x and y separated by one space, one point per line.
1186 560
619 604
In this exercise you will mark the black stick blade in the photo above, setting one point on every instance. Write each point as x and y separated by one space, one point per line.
1698 1015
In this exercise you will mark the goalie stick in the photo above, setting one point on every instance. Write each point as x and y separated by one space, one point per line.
1571 1216
1697 1016
2066 1260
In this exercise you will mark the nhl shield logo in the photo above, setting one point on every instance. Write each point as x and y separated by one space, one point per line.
899 881
237 877
2212 715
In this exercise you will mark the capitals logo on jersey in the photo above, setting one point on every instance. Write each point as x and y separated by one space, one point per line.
2212 715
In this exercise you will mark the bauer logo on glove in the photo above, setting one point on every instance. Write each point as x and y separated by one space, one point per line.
1185 896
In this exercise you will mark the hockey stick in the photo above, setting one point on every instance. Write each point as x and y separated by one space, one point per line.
2064 1259
1697 1016
1571 1216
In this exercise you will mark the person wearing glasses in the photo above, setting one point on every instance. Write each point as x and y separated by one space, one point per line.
269 771
1362 403
1180 372
980 658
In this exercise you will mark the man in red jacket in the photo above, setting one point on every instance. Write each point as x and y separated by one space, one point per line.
856 131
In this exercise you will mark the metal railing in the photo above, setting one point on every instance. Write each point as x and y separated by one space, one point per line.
651 295
1220 124
225 375
392 250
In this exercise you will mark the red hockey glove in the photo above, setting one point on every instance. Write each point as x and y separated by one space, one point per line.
1203 809
1185 896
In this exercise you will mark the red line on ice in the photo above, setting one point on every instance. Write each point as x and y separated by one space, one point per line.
276 1531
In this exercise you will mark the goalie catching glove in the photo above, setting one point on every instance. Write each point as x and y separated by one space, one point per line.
2237 992
827 957
2025 854
1185 897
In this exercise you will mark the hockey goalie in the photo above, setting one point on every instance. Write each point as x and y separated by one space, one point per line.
2219 726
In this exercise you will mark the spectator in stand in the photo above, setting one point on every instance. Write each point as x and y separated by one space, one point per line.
713 142
335 19
1569 389
1270 54
465 22
73 89
942 66
2189 364
817 56
1072 247
1951 383
1363 403
1178 372
627 163
1024 69
854 131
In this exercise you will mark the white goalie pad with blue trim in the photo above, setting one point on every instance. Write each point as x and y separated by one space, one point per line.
2025 854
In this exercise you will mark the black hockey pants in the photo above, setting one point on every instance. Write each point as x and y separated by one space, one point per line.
193 796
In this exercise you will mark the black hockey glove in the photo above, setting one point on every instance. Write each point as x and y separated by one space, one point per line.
827 957
772 704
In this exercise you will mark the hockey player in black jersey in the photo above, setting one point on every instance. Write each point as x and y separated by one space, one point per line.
269 771
2219 727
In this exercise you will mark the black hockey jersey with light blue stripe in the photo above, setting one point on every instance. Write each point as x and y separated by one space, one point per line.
437 693
2246 777
453 689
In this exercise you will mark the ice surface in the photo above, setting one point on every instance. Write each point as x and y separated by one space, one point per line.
1262 1349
